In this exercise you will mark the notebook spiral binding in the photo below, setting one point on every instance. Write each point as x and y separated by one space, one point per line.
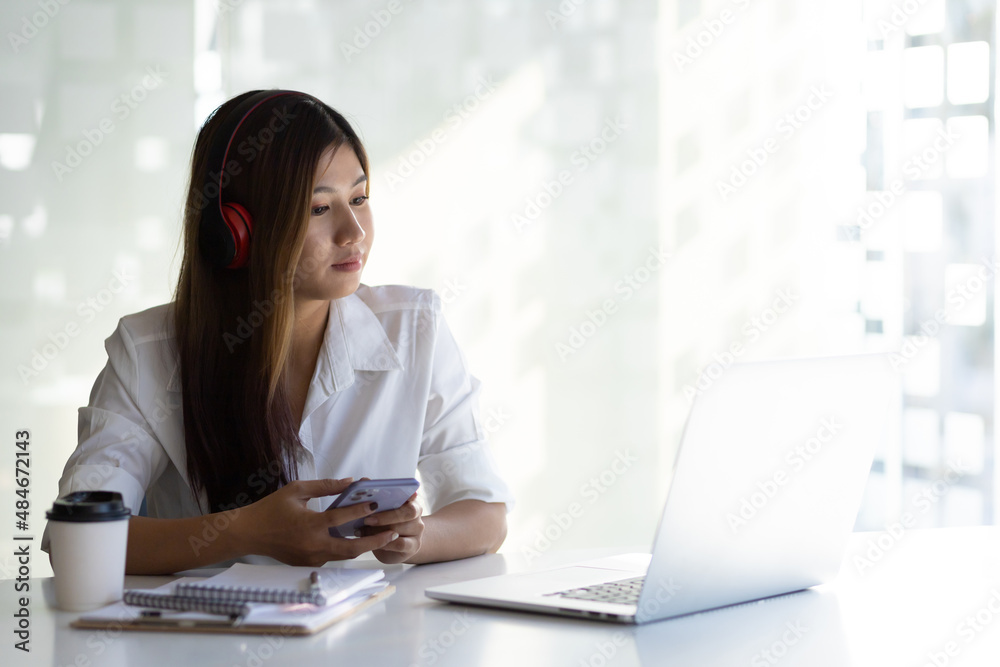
177 603
248 594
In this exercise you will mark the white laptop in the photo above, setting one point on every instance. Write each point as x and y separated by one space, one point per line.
767 483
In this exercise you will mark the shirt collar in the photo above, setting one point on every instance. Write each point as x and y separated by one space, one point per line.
354 340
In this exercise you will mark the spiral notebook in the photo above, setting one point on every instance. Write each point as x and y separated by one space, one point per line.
244 582
246 599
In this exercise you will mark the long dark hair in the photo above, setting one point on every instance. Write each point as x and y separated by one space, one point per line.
234 327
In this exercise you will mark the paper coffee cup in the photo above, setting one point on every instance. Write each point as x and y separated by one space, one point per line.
89 533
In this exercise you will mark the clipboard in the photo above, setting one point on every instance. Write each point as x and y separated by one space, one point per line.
290 620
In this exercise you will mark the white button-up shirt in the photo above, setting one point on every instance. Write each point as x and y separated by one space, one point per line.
390 396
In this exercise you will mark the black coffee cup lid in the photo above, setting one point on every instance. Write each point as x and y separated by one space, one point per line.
88 506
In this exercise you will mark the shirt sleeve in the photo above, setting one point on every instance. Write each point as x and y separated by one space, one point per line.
455 460
116 450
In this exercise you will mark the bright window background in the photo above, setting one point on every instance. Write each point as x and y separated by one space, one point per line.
615 201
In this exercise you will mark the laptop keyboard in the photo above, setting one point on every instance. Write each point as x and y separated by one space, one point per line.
625 591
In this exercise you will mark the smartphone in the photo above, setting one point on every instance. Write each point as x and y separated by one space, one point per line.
387 494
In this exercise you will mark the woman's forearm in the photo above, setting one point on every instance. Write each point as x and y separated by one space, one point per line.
460 530
165 546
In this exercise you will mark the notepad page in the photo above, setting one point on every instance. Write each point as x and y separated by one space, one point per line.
264 614
306 615
336 582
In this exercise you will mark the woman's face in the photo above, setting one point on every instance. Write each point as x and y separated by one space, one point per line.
340 232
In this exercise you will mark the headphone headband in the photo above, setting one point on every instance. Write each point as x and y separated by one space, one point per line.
226 228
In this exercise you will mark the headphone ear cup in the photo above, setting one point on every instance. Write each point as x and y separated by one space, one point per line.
240 225
216 240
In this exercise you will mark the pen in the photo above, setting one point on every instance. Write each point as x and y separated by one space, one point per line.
170 618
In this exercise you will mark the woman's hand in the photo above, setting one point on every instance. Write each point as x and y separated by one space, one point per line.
282 527
406 523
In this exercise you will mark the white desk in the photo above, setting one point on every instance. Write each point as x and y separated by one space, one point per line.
914 601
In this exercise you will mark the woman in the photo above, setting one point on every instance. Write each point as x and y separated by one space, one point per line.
275 376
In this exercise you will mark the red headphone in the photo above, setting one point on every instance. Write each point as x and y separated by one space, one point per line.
226 229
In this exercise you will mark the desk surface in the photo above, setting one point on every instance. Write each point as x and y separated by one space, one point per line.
907 601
